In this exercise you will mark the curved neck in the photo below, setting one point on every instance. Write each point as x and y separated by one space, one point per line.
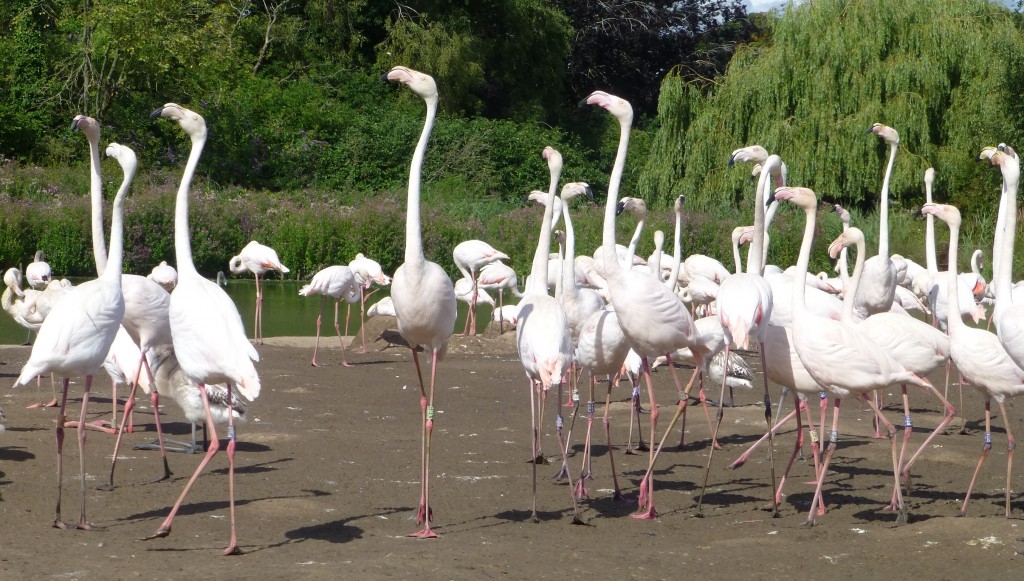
537 283
413 228
844 273
627 262
614 182
736 254
850 291
182 241
1000 233
883 211
568 278
655 262
804 259
114 264
756 252
99 243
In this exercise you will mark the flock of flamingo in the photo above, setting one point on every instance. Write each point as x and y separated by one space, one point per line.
178 334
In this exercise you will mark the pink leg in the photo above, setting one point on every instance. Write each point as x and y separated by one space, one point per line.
617 495
61 422
428 427
534 449
833 438
52 403
1011 443
337 329
232 548
82 522
585 469
890 430
798 445
319 319
946 420
745 456
986 448
258 324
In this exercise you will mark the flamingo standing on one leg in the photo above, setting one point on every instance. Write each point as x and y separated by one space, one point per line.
422 292
75 339
367 272
334 282
208 335
499 276
257 259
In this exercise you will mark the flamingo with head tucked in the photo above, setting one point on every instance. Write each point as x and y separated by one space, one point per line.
257 259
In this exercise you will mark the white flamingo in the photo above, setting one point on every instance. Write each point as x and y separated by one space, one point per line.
470 256
76 337
164 275
1008 315
208 335
367 272
334 282
980 357
543 338
653 320
257 259
423 295
38 271
499 276
878 283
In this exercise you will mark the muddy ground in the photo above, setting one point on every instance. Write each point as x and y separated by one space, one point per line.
328 482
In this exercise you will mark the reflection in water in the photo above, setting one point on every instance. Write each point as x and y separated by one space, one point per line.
285 313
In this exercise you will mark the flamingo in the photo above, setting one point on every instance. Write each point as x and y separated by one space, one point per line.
385 307
76 337
422 292
38 271
334 282
840 358
164 275
506 315
470 256
367 272
24 307
1008 315
878 283
257 259
543 338
918 346
499 276
208 335
653 320
979 354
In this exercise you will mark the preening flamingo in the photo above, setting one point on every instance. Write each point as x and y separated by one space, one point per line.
38 271
367 272
499 276
257 259
164 275
423 295
334 282
208 335
76 337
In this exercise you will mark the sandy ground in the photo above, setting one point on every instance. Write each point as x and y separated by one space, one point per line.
328 482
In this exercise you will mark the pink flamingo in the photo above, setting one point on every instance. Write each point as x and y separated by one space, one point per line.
257 259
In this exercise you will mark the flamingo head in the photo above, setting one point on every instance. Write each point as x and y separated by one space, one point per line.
803 197
192 122
573 189
888 134
87 125
553 157
679 204
618 107
948 214
851 237
421 83
635 205
124 156
754 153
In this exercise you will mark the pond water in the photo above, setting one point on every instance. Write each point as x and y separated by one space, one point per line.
285 313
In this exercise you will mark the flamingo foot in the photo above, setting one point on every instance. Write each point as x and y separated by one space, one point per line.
59 524
563 472
315 364
741 461
233 550
50 404
426 533
539 460
580 490
99 426
345 363
161 533
649 514
617 496
84 525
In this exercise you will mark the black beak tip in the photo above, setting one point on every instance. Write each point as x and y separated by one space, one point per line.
582 103
590 192
771 198
619 208
682 199
156 113
384 78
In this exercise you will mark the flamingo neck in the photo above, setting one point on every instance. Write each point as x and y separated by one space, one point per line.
850 291
611 263
537 283
883 212
800 276
114 264
182 241
736 255
413 222
627 262
844 273
1004 297
1000 233
99 243
953 321
677 254
568 275
931 263
756 252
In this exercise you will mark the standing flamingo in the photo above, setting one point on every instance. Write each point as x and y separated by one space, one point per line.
1008 316
367 272
980 356
76 337
208 334
878 283
257 259
499 276
840 358
652 318
334 282
423 295
543 338
470 256
164 275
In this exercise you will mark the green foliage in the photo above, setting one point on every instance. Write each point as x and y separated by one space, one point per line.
943 74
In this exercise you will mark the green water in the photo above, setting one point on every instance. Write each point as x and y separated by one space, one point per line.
285 313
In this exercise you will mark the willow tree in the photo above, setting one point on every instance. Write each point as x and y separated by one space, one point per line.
945 73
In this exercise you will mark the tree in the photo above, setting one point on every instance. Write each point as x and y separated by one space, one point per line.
946 75
627 46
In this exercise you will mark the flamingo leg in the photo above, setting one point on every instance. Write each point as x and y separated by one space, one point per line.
232 548
586 471
428 427
563 471
258 324
341 341
833 438
83 524
1011 443
946 420
986 448
534 450
617 495
797 446
899 505
714 436
61 422
362 317
319 320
